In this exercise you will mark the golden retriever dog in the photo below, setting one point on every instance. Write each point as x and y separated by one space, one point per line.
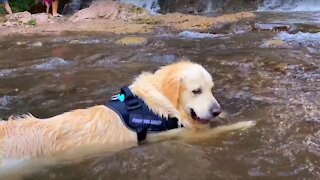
181 90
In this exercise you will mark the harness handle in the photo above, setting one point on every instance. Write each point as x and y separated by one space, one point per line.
131 102
126 91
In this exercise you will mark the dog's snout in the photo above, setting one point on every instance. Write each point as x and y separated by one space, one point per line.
216 110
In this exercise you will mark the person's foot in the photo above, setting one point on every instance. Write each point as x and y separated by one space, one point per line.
10 17
57 15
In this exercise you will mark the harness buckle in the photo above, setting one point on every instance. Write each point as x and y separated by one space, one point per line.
120 97
115 97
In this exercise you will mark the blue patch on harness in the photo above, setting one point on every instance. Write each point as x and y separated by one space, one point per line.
121 97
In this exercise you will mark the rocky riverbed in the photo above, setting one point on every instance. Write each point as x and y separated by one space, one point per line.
111 17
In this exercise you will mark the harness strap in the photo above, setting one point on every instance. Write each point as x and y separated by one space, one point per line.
137 116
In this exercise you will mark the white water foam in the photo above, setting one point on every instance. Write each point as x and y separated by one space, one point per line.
5 101
311 41
290 5
151 5
52 63
197 35
300 37
167 58
6 72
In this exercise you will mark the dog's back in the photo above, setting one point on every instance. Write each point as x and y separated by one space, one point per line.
28 136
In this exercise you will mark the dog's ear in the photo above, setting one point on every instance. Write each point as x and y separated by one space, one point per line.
171 89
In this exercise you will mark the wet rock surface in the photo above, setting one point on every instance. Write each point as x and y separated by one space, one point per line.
275 43
274 27
26 19
180 22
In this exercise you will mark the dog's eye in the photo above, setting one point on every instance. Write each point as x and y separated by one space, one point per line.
197 91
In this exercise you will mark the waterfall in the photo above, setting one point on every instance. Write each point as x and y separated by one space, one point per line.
209 7
290 5
151 5
164 6
75 5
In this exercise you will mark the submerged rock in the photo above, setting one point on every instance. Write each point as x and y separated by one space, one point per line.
37 44
311 28
273 27
131 41
274 43
168 58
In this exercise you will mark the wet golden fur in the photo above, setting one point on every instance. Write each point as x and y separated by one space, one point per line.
27 136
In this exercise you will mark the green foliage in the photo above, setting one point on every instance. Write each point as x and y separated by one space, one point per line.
17 6
32 22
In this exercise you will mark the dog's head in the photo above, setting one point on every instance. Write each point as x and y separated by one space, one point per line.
189 87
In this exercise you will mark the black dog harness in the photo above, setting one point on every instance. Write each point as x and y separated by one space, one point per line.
136 115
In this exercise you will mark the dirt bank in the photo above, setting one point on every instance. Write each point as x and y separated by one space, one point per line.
111 17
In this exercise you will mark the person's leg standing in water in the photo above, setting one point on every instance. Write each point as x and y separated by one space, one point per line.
48 4
6 6
55 4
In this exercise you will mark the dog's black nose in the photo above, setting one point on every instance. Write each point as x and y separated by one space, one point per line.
216 110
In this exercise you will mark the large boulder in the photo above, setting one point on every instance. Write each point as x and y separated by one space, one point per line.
22 17
28 19
110 10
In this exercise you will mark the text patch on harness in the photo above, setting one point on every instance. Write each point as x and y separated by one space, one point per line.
150 123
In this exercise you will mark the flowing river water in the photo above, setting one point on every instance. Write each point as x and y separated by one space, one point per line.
276 87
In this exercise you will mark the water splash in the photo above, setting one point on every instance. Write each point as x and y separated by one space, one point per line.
197 35
151 5
290 5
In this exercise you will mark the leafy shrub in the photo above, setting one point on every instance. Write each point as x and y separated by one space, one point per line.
17 6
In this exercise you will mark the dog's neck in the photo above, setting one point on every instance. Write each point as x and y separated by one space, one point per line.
151 94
